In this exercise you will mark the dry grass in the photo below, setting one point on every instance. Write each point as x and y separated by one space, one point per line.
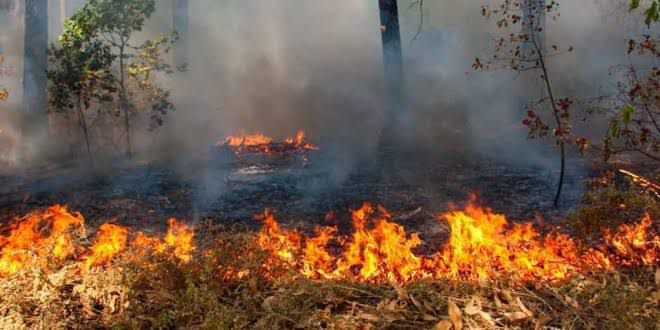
226 286
158 292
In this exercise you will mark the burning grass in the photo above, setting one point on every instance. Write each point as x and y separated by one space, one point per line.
490 274
262 144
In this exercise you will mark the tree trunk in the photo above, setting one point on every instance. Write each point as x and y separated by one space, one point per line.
125 103
391 39
180 24
395 123
35 65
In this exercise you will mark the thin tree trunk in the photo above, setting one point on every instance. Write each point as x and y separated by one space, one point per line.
180 24
392 57
537 41
83 125
35 64
124 98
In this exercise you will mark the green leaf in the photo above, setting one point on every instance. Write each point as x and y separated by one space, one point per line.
627 113
634 4
652 14
614 129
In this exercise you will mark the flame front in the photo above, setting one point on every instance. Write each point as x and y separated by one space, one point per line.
111 240
260 143
482 246
45 238
247 140
37 235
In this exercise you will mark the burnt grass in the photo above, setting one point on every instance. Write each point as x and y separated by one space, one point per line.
302 188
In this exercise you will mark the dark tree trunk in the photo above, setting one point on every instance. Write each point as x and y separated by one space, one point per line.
391 38
35 65
395 119
180 23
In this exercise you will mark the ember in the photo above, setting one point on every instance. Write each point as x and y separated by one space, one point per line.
261 144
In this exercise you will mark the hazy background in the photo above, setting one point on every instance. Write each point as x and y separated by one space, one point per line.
282 65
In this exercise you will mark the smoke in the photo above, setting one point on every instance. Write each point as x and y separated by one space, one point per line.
279 66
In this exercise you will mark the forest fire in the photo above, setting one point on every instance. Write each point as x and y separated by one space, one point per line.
262 144
482 246
55 232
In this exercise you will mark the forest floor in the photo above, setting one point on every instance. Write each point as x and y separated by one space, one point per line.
219 197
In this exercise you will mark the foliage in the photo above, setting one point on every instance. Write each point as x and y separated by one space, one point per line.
633 111
98 66
652 12
80 74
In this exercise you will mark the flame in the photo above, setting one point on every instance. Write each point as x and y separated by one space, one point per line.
260 143
633 245
482 246
110 241
280 242
38 234
45 237
247 140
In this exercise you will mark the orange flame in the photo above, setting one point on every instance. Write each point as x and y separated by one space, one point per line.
247 140
44 238
38 234
482 246
110 241
259 143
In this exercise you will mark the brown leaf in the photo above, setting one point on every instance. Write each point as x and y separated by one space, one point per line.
516 316
473 306
572 302
487 318
401 292
523 308
498 302
443 325
542 321
657 277
455 315
267 304
417 303
369 317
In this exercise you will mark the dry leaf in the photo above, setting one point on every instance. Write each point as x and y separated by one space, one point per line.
498 302
267 304
443 325
571 301
369 317
542 321
487 318
473 306
401 292
523 308
416 303
455 315
516 316
657 277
